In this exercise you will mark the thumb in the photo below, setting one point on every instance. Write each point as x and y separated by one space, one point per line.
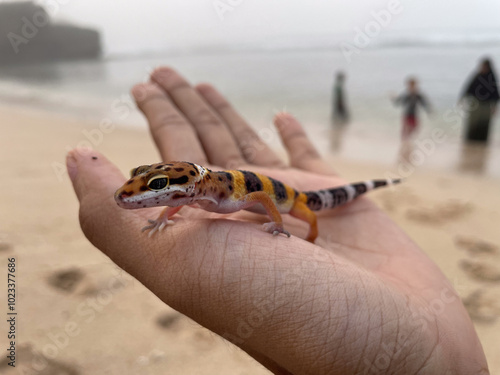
92 174
107 226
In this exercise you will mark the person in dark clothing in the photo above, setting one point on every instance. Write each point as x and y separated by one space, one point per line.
340 114
411 100
482 97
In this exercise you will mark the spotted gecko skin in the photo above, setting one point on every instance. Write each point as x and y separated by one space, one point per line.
177 184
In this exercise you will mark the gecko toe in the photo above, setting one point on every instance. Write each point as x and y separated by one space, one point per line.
275 229
153 231
156 226
147 227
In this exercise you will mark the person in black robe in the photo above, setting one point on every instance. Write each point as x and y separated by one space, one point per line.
481 95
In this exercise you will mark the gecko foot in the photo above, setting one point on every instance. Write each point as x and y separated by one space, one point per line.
275 228
156 226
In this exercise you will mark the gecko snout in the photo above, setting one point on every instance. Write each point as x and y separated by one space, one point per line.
120 196
126 199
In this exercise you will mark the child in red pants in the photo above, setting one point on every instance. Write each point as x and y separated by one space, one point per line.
411 100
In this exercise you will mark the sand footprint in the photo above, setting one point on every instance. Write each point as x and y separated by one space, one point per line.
440 213
27 356
391 200
454 209
166 320
482 308
71 280
4 244
476 246
481 271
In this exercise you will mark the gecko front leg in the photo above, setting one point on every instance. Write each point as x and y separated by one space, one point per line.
162 220
276 225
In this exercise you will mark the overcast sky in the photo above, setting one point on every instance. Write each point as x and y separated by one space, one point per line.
152 24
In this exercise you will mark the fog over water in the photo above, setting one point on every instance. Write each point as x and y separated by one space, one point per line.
149 25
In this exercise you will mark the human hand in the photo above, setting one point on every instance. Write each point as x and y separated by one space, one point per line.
364 299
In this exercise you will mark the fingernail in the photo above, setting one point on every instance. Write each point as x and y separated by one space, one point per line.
161 74
281 120
139 92
71 165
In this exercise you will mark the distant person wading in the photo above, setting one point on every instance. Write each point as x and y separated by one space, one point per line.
482 97
340 114
410 101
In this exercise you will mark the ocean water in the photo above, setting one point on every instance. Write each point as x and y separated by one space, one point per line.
262 81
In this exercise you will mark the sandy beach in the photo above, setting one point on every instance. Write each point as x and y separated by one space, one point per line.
79 314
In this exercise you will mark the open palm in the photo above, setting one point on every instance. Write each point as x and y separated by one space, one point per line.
364 299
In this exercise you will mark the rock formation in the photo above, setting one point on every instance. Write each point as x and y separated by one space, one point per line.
28 35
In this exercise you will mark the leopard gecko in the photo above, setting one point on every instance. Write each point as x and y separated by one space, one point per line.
177 184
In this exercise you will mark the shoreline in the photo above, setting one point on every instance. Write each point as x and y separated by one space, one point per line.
433 148
452 216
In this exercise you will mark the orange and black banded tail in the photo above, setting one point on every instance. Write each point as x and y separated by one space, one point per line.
334 197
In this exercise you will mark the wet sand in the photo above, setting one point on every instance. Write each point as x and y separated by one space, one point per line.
82 315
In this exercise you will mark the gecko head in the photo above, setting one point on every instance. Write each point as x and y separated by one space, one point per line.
162 184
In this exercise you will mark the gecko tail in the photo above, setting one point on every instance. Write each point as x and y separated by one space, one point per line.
338 196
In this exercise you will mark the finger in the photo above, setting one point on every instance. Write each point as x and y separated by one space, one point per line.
253 148
217 141
95 181
302 153
174 136
90 188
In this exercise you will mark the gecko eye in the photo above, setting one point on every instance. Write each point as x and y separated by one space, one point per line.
158 183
